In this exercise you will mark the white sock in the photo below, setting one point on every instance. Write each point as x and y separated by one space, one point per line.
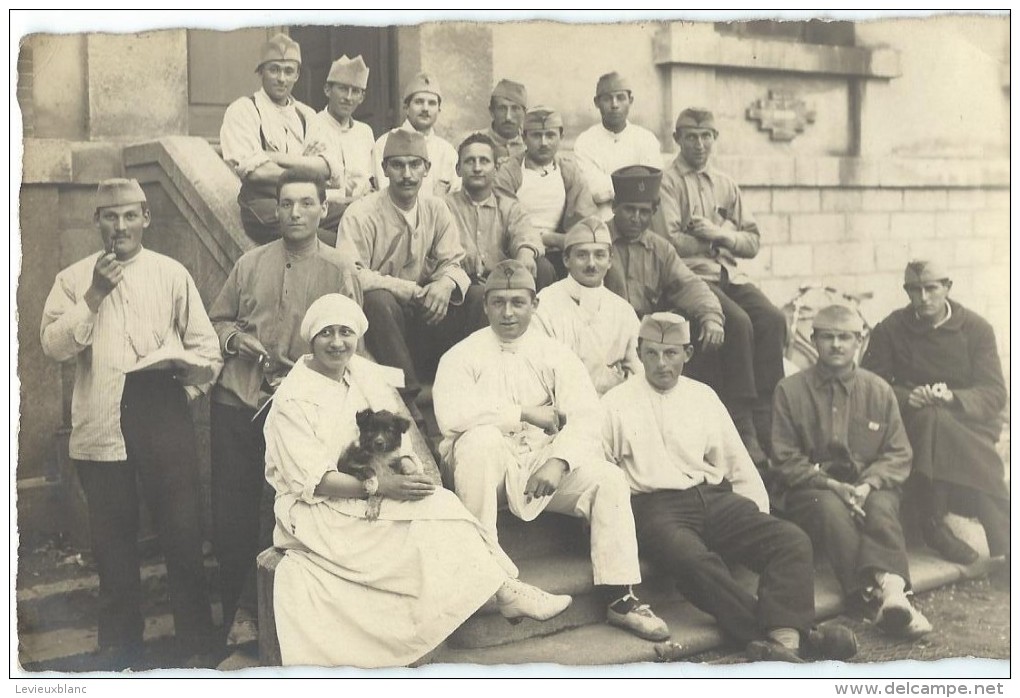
787 637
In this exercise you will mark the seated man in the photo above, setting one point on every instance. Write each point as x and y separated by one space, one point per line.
493 226
700 505
705 219
942 362
423 100
345 139
841 455
597 325
553 203
520 424
507 105
615 142
266 133
409 263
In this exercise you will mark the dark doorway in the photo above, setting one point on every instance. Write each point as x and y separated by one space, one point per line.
320 46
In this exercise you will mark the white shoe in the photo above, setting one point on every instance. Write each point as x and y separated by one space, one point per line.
919 626
518 601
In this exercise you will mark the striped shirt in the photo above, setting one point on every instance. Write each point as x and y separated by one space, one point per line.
155 305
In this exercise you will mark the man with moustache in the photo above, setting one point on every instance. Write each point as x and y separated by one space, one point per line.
507 105
409 264
131 428
423 100
841 457
264 134
942 362
549 184
615 142
596 324
699 505
705 219
520 423
257 316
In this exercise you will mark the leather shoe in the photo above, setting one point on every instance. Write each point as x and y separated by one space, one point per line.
771 651
518 601
830 641
941 538
638 618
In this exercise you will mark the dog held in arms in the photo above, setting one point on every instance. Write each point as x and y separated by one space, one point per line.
377 449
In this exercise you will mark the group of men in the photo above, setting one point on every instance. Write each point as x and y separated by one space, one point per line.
564 304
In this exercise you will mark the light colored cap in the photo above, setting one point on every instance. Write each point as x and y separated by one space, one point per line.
612 82
665 328
695 117
400 142
349 71
280 48
839 318
514 91
590 229
921 271
119 192
540 118
510 275
333 309
422 82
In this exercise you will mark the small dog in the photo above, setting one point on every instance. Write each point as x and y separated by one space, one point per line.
377 448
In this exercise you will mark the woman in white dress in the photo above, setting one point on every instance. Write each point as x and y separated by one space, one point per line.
352 591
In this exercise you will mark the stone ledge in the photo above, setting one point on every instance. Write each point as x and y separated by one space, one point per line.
680 44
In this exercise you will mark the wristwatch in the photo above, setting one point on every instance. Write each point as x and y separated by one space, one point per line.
371 485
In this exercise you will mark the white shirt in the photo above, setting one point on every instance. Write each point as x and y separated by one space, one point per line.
442 177
352 145
600 152
676 440
246 123
599 326
544 196
155 305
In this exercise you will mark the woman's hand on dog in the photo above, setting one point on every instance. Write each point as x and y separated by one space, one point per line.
405 487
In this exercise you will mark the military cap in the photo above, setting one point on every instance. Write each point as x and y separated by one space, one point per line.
839 318
665 328
612 82
510 275
349 71
541 118
636 184
696 117
422 82
514 91
590 229
280 48
921 271
119 192
407 143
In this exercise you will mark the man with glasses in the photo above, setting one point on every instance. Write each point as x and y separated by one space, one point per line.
266 133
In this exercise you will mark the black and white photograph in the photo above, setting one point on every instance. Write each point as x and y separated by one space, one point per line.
512 344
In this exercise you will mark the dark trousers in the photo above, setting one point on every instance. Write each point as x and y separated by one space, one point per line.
693 534
399 336
935 499
546 273
242 504
855 550
160 441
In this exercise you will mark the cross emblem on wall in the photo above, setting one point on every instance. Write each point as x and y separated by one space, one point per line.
782 114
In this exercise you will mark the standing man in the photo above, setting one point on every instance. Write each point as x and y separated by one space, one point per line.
264 134
423 100
409 264
942 362
110 312
615 143
596 324
493 226
507 105
520 423
842 456
345 139
258 319
700 505
706 221
549 185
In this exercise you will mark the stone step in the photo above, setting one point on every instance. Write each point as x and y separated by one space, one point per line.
549 534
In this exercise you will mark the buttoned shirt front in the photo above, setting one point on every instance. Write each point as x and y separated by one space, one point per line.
442 177
491 231
352 146
514 146
156 305
600 152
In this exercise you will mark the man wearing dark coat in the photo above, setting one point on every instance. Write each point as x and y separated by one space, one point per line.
942 362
